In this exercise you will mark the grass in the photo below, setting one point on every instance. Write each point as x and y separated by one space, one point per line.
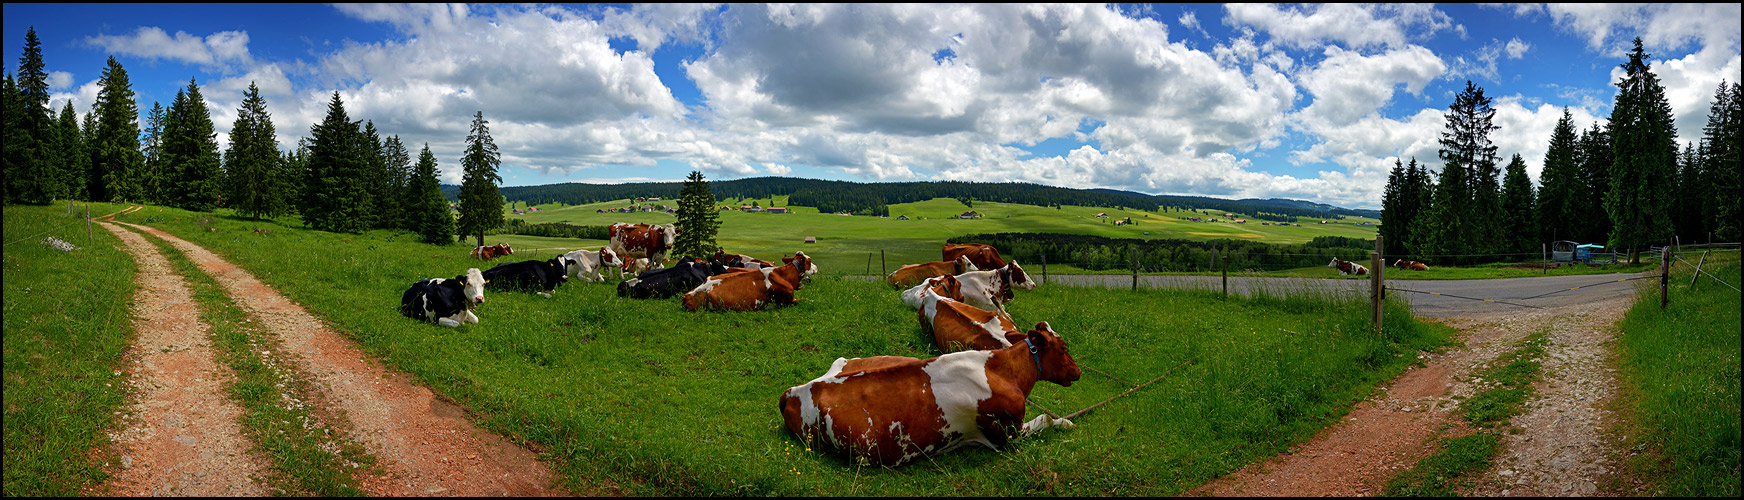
307 455
1507 384
1680 372
650 399
67 323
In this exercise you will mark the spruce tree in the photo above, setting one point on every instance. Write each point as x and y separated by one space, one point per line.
1595 172
1720 158
399 163
1438 231
1560 182
74 160
481 207
192 176
115 157
332 190
1396 209
375 181
434 221
1644 162
16 140
1466 140
34 177
1518 208
254 178
698 219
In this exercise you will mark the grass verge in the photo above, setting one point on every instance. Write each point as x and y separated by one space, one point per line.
308 455
67 324
1508 383
658 400
1679 369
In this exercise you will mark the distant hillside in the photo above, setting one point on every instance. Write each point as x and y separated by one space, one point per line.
874 198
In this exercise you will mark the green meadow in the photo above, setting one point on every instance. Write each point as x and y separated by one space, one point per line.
644 397
67 323
845 244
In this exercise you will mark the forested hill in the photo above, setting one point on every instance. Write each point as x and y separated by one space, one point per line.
874 198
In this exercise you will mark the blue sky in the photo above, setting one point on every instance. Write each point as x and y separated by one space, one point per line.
1310 101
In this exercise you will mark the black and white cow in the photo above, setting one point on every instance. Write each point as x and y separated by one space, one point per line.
447 302
662 283
529 275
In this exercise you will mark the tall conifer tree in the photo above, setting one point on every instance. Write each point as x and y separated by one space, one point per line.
698 218
332 190
74 160
116 160
434 220
33 178
1518 209
1560 182
1466 140
1644 162
193 169
254 178
481 207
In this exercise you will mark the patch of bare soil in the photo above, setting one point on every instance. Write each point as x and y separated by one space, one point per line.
1559 449
181 435
425 444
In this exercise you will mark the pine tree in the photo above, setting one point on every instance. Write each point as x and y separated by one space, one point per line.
434 221
33 178
1397 205
1420 189
332 190
481 207
192 177
1720 160
1518 208
1644 162
1560 182
375 180
1595 172
1439 231
74 160
1466 140
698 219
254 178
399 164
152 171
115 159
16 141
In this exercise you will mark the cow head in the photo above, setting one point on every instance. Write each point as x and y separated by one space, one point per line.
669 233
473 284
720 257
946 286
1334 263
1056 365
963 265
506 249
1018 277
559 266
806 268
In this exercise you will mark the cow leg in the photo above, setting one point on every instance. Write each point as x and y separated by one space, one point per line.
448 322
468 317
1042 422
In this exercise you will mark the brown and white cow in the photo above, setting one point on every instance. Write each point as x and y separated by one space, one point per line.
641 241
890 410
912 274
738 260
492 252
957 326
991 289
984 256
1411 265
587 264
1347 267
751 289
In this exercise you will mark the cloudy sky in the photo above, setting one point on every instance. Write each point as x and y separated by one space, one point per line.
1312 102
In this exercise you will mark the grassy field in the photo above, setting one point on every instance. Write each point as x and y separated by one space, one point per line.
650 399
845 243
1680 372
67 323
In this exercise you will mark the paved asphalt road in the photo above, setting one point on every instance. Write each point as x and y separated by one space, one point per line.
1508 293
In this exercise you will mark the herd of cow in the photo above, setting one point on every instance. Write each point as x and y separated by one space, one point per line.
890 410
732 282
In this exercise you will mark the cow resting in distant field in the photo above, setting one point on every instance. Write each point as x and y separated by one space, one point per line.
912 274
492 252
1347 267
983 256
890 410
587 264
447 302
1411 265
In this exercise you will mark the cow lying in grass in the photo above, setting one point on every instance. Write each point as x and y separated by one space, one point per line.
447 302
529 275
889 410
752 289
1411 265
588 264
957 326
983 256
492 252
913 274
1347 267
667 282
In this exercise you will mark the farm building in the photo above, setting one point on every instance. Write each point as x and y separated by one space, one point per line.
969 215
902 217
1562 251
776 210
810 239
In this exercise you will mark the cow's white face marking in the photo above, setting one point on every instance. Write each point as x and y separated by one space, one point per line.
475 286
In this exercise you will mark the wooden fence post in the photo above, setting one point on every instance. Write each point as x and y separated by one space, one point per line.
1044 268
1664 276
1698 272
87 224
1222 259
1378 284
1544 251
868 262
883 270
1134 254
